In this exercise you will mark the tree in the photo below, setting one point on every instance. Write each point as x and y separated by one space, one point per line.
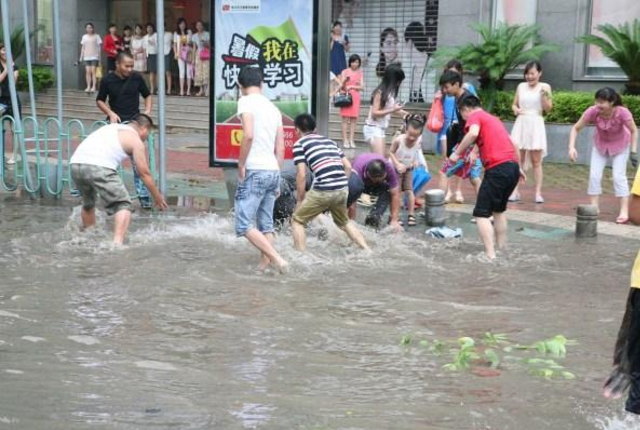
501 50
622 45
17 40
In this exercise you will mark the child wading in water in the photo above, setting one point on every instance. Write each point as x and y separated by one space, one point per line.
501 162
616 133
406 154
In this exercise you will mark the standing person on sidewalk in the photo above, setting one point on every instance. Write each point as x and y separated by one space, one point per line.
123 89
94 170
501 162
5 99
626 353
112 47
532 99
329 190
90 56
150 43
616 134
202 44
352 79
261 158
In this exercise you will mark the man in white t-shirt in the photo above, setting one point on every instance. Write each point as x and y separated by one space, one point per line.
261 157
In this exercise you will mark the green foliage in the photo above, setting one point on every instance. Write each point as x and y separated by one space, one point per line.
568 106
463 356
547 368
43 78
501 49
17 40
621 44
493 340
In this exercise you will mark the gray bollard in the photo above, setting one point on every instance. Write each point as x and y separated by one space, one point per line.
434 208
586 221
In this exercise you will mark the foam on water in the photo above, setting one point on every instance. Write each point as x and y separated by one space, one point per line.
622 421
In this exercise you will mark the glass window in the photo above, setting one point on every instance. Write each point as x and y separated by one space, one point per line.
44 35
514 12
608 12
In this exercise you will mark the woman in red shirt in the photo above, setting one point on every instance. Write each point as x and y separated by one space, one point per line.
112 46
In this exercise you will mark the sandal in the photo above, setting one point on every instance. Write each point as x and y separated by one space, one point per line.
622 220
411 220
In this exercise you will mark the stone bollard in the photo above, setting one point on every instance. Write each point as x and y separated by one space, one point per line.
586 221
434 208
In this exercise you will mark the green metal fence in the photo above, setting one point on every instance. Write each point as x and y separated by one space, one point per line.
42 150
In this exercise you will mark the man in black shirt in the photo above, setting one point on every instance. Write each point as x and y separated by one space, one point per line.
123 89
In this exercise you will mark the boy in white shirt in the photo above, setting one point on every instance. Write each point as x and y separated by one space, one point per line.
261 157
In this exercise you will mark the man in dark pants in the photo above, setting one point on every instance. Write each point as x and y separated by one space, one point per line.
123 89
626 356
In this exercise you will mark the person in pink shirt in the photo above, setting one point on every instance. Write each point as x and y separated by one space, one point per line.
616 138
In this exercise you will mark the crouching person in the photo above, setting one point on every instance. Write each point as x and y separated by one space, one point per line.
94 167
329 190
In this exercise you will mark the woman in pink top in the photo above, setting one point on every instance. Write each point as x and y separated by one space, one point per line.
616 133
351 79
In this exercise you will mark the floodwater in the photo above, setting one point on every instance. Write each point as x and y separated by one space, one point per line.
176 330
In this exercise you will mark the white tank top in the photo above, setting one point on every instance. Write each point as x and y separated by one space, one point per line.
406 155
102 148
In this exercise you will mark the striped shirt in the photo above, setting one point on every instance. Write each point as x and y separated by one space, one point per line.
324 158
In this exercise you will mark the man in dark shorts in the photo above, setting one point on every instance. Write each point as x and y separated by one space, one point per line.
501 161
123 89
94 170
626 355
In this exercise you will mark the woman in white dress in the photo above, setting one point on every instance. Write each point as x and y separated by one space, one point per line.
90 56
138 50
532 99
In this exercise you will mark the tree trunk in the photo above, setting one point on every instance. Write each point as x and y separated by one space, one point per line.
632 88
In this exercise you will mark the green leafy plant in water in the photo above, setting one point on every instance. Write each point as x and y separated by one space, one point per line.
493 340
463 356
492 357
555 347
547 368
406 340
437 347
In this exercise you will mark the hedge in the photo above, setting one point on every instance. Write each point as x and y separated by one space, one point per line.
567 106
43 78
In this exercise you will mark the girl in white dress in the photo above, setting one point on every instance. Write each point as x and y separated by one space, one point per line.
90 56
138 51
532 99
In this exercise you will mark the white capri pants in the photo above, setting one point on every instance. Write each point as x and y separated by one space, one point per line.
619 166
182 69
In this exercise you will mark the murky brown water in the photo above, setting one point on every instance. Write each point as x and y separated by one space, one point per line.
177 331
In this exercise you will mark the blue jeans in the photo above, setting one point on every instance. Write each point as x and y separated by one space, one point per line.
254 201
141 189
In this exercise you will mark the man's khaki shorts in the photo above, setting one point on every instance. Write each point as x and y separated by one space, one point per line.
92 180
315 202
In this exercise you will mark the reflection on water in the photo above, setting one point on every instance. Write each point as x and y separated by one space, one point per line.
177 330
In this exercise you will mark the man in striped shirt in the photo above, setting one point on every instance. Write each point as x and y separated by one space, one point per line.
329 189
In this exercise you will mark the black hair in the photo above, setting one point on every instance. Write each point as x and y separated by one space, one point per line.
250 77
454 64
535 64
150 24
382 63
89 23
111 26
416 33
143 120
201 22
138 26
305 122
610 95
450 77
335 23
186 26
376 169
469 101
122 55
354 58
127 27
391 80
415 121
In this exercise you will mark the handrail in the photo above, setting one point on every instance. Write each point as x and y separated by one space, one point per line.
51 145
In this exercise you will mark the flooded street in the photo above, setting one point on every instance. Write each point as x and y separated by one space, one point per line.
177 330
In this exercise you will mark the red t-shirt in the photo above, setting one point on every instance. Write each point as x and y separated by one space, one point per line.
493 140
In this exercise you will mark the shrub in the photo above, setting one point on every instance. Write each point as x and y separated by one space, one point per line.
42 78
568 106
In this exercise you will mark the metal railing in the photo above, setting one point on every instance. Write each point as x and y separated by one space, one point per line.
42 150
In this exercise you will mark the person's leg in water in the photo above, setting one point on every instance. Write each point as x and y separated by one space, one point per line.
7 130
500 229
121 221
88 217
263 237
515 195
487 234
383 201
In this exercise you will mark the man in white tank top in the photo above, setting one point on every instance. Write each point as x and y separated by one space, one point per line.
94 167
